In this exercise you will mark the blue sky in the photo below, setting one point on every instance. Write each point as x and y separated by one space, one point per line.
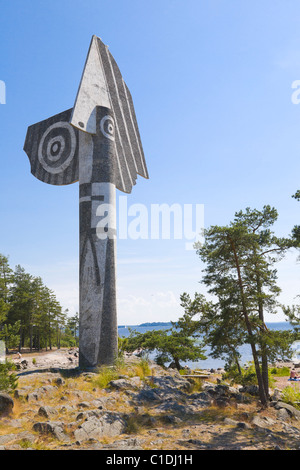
212 87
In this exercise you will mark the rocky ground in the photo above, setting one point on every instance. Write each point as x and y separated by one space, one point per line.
56 407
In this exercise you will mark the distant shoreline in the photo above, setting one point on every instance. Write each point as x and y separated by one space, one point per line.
150 324
147 324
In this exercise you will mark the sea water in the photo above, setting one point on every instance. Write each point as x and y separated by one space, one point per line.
209 363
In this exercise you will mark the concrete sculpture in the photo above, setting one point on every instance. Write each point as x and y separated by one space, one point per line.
97 143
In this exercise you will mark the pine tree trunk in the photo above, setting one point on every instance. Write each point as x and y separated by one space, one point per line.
176 360
264 357
20 342
238 365
30 339
261 388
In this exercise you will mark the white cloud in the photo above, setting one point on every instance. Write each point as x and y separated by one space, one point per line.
160 306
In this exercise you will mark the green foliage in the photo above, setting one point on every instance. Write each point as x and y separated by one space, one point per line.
71 330
6 278
104 376
132 425
278 344
107 373
240 274
8 380
297 195
121 346
291 396
244 376
25 443
293 314
219 327
10 334
30 315
280 371
144 365
172 344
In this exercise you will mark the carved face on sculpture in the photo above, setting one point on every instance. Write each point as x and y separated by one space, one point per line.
57 147
107 127
52 147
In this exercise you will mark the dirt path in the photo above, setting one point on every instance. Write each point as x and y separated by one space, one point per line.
57 358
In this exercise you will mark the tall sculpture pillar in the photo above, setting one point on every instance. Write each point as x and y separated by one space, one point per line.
97 143
97 204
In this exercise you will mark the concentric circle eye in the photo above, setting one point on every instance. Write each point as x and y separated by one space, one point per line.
57 147
107 126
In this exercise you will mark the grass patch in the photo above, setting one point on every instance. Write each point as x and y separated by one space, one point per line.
106 373
280 371
40 445
215 414
132 425
136 422
196 385
143 368
25 443
104 376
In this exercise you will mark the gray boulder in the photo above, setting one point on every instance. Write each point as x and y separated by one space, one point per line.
47 411
283 414
171 382
230 422
251 389
292 411
6 404
55 429
84 415
149 395
41 392
125 384
109 425
263 422
58 381
7 438
22 393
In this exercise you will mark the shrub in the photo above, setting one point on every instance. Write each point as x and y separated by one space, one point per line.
247 376
132 425
104 376
280 371
144 365
291 396
8 380
25 444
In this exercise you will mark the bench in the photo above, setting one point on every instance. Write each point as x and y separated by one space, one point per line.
196 376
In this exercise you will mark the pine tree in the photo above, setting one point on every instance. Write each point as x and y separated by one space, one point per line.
6 279
239 273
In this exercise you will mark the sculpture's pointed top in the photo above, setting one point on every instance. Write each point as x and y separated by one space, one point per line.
102 84
93 91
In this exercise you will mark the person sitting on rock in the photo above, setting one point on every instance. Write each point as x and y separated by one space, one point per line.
293 374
